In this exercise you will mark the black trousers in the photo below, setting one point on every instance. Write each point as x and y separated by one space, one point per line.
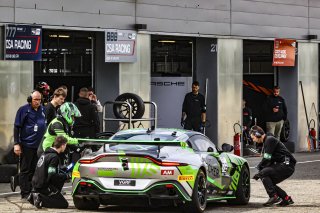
28 165
274 174
193 123
52 198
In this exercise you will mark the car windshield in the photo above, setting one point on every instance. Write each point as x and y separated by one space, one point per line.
144 137
139 137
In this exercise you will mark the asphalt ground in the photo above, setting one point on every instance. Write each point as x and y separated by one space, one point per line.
303 186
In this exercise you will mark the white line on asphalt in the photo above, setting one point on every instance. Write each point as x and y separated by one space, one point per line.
13 193
309 161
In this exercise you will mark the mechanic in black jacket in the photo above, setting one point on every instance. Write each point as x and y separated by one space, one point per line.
88 124
276 112
276 165
194 109
48 179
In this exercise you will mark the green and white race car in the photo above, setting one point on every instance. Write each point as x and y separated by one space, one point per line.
160 167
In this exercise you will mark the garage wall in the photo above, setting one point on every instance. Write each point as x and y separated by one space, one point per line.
136 77
230 69
259 18
308 63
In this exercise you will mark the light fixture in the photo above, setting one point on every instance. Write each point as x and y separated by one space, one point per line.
60 36
166 41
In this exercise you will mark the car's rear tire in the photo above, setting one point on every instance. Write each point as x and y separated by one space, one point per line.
199 196
86 204
242 193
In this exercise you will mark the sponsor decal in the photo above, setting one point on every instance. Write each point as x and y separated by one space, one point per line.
185 178
168 83
75 174
167 172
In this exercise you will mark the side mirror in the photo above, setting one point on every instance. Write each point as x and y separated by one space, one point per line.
227 147
210 149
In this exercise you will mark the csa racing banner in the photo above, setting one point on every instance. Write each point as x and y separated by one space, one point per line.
284 52
120 46
23 42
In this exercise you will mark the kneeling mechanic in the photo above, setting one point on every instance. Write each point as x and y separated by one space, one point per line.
48 179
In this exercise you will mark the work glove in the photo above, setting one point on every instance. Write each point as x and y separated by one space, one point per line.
183 122
256 176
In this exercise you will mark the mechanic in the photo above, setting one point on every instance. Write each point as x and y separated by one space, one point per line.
59 96
88 124
247 121
61 125
276 112
44 89
194 110
49 179
29 127
276 165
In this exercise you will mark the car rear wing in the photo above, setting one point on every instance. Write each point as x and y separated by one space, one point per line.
91 141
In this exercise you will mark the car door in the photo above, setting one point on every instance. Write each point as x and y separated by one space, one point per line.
218 168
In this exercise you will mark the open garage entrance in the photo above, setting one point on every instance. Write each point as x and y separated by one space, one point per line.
67 59
259 77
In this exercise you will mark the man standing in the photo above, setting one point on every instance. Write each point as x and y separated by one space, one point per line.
88 124
29 127
194 109
51 109
48 179
247 121
276 165
276 112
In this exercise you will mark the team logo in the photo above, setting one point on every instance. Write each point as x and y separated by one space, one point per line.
40 161
167 172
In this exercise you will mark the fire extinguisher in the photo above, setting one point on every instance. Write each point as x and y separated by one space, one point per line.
313 135
237 140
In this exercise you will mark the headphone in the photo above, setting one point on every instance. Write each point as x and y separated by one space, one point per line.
29 98
255 132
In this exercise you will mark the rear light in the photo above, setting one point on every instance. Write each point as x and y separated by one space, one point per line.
165 163
169 186
85 184
93 160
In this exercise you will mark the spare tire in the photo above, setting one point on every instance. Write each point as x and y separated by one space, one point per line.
122 111
285 131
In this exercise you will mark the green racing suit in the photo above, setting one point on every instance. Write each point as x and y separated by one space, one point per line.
56 127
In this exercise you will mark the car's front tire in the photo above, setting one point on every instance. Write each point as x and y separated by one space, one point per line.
86 204
242 193
199 195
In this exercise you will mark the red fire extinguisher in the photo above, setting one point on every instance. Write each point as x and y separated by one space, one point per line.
236 140
313 135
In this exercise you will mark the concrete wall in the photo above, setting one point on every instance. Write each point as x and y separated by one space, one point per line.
308 65
230 69
254 18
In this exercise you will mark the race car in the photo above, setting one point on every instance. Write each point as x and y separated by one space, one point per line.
159 167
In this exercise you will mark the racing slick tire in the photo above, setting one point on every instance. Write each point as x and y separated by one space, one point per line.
86 204
121 111
199 195
242 193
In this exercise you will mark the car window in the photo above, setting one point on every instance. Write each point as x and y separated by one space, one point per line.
201 143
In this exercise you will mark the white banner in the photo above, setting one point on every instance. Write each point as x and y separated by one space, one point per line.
168 93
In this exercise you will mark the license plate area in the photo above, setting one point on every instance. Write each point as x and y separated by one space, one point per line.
124 182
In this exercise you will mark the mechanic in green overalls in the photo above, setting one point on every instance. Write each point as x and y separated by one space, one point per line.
60 126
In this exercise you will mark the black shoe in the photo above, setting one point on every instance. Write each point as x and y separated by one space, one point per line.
285 202
37 200
24 196
30 199
272 200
